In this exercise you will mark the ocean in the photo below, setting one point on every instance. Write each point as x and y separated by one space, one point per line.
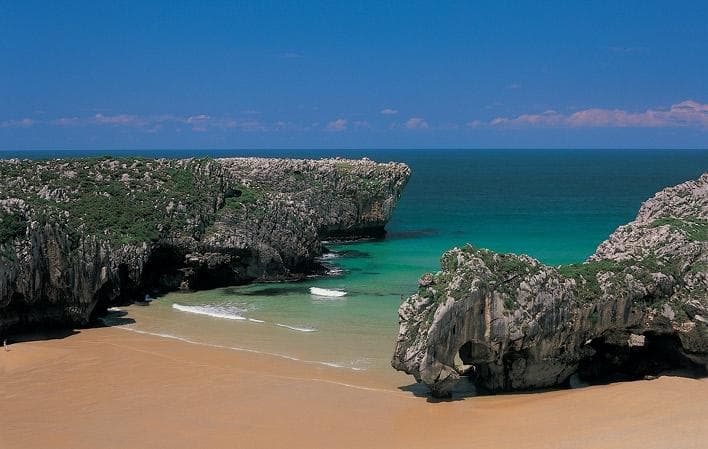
554 205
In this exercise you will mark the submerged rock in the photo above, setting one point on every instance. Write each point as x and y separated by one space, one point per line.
637 306
79 235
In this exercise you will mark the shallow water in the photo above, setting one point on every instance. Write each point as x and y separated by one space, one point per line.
554 205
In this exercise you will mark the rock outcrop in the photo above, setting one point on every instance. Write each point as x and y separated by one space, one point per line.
637 306
78 235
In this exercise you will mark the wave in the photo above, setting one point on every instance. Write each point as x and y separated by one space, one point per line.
334 271
326 292
297 328
227 313
329 256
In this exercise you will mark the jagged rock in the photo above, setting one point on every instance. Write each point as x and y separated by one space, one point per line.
78 235
635 307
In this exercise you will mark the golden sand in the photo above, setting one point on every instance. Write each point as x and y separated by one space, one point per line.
108 388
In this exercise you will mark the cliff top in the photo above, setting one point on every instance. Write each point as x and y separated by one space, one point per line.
135 200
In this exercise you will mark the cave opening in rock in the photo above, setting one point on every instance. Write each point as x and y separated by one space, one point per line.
163 269
629 356
469 356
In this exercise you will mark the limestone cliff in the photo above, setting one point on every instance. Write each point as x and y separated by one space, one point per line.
637 306
78 235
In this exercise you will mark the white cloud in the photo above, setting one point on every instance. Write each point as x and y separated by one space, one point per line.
388 111
338 125
119 120
687 113
22 123
199 123
416 123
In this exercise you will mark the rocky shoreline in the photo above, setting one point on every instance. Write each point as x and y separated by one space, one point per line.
80 235
638 306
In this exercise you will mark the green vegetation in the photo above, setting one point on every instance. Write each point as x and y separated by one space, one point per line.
700 267
12 226
510 303
585 274
344 167
128 200
694 228
240 195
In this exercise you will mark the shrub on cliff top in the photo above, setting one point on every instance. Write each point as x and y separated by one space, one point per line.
694 228
11 226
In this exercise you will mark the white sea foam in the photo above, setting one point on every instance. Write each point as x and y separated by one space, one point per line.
329 256
224 312
327 292
334 271
253 320
297 328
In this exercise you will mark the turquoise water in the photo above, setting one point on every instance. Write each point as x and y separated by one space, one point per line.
555 205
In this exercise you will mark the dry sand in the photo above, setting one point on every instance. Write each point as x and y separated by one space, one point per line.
109 388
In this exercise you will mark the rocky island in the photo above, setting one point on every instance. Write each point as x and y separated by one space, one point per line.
79 235
637 306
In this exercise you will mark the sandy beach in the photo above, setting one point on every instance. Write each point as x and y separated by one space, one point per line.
110 388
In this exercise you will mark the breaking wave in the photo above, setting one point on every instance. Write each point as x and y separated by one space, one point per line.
224 312
297 328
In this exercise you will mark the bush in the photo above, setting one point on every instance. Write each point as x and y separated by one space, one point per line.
12 226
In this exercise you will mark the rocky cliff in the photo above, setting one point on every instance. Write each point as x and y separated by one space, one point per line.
639 305
78 235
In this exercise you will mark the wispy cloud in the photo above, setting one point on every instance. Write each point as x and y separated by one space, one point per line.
388 111
416 123
195 122
513 86
290 55
337 125
362 124
119 120
21 123
628 50
687 113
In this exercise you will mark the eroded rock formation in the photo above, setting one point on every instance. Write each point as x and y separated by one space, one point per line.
78 235
637 306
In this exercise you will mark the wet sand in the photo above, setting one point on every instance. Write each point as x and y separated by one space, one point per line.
109 388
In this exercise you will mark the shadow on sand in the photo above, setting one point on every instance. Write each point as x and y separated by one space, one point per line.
112 318
465 388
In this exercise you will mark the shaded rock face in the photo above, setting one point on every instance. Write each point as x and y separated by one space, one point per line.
79 235
637 306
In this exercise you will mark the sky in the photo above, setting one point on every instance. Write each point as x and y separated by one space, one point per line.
366 74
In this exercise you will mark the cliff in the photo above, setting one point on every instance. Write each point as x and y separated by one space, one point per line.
78 235
639 305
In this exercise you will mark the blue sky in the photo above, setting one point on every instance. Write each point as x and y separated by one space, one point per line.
369 74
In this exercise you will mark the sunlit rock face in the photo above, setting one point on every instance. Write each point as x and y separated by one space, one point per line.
637 306
78 235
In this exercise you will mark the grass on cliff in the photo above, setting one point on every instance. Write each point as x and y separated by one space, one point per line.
585 275
240 195
128 200
695 228
12 226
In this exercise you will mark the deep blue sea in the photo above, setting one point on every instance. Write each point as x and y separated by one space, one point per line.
555 205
